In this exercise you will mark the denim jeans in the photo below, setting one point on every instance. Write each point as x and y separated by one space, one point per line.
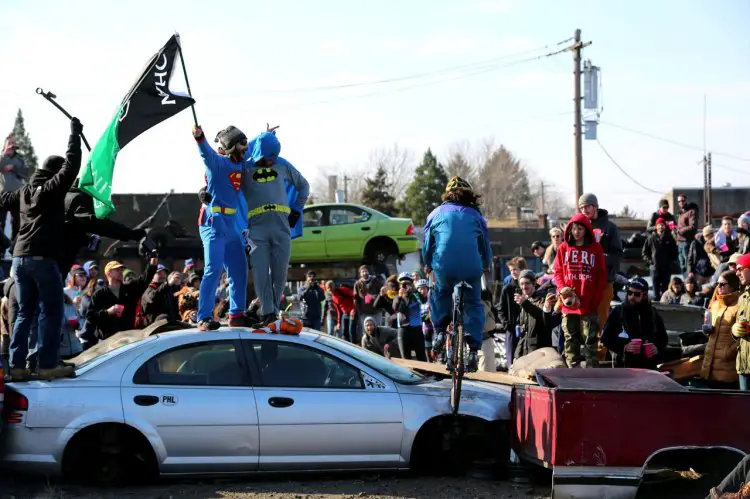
38 285
745 382
682 254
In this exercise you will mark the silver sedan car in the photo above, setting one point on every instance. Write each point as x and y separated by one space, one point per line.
234 401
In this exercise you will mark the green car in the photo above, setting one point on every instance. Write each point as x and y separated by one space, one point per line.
341 232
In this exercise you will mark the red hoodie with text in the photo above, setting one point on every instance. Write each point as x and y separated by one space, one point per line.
582 268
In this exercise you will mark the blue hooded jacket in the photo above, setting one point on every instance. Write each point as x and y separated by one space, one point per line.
267 145
456 241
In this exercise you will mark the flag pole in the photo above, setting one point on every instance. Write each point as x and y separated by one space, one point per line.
51 98
187 82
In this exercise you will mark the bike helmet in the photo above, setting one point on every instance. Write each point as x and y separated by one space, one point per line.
405 276
423 283
456 183
229 138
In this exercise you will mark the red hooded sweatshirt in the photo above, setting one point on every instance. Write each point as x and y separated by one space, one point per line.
343 302
582 268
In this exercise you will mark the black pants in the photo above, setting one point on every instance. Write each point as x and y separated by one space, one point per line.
15 222
411 338
660 279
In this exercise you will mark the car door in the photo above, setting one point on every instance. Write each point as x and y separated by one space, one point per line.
349 228
311 247
197 398
315 411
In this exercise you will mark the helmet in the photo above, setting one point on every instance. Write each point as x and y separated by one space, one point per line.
456 183
229 138
423 283
405 276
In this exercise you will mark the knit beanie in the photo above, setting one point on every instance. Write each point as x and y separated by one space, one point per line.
588 198
527 274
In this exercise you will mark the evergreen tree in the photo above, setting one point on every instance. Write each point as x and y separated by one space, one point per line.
423 194
376 193
23 143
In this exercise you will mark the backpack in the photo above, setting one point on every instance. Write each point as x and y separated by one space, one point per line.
140 318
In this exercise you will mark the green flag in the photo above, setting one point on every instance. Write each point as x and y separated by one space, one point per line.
148 103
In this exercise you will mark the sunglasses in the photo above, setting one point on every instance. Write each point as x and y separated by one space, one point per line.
722 283
404 284
636 294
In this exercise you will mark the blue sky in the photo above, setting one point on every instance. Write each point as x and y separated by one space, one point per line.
251 62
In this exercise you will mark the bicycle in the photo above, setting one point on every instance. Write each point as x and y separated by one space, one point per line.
456 361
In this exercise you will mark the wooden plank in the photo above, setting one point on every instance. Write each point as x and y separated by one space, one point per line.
434 368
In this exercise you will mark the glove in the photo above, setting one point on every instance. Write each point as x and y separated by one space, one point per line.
204 196
147 247
139 234
293 218
76 128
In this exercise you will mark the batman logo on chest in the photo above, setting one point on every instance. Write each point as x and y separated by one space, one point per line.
264 175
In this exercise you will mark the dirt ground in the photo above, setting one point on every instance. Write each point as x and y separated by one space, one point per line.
367 487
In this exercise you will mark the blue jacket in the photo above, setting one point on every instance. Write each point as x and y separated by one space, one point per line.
266 145
456 241
223 182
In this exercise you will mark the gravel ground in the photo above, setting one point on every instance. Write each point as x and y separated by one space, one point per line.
369 487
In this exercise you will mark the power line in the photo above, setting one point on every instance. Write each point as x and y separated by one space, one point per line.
671 141
624 172
423 84
487 63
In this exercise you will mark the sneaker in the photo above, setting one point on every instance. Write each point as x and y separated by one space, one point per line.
266 320
60 371
472 363
208 325
238 320
19 374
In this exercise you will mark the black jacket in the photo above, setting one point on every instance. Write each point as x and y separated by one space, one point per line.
508 308
81 223
535 326
660 251
313 297
159 299
642 321
41 205
698 263
106 325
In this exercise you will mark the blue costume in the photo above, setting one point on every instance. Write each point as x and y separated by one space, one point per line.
220 225
457 247
275 193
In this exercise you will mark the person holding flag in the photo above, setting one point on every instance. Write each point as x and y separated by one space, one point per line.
275 193
220 231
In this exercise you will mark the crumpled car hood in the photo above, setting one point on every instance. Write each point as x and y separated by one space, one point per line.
441 388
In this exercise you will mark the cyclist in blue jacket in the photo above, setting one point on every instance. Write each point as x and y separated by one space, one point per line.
457 248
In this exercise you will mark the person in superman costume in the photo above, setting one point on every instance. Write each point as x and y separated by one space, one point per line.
220 227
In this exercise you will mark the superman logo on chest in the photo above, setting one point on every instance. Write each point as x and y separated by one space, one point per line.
264 175
235 178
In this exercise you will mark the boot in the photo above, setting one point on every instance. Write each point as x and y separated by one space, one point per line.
266 320
208 325
238 320
59 371
472 363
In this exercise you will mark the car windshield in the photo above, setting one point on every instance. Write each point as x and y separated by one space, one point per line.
373 360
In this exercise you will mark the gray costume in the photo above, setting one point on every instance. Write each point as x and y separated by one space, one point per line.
266 190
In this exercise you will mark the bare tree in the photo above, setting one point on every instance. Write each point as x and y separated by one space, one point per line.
505 184
398 163
460 162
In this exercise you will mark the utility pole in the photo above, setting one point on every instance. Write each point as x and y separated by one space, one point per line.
346 189
544 210
577 47
709 211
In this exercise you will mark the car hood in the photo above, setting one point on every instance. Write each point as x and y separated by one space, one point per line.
441 388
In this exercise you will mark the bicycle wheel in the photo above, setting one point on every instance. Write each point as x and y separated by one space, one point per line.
458 367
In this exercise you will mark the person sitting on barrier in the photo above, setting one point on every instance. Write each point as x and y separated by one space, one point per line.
634 332
457 248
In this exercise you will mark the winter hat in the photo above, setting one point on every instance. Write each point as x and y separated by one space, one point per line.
707 231
744 218
192 277
660 221
744 261
527 274
663 203
734 258
369 319
588 198
638 283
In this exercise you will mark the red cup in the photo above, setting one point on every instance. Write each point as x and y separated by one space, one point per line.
648 351
637 343
119 309
73 322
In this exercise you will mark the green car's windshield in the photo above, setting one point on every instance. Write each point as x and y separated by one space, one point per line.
381 364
